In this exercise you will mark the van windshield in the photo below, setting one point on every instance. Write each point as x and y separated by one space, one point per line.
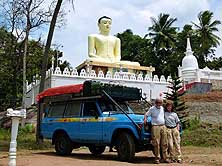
108 107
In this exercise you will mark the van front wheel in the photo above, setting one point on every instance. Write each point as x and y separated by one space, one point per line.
126 147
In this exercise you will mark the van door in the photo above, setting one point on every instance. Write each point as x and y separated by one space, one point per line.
72 119
52 121
91 124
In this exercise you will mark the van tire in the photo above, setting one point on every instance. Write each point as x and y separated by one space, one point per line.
97 150
63 144
126 147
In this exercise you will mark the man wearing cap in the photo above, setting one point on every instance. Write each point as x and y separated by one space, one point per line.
158 131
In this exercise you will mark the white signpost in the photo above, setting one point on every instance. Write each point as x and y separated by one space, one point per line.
15 115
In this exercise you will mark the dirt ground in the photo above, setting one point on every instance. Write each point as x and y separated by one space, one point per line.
191 155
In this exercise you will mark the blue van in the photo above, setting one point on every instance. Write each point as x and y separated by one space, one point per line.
94 115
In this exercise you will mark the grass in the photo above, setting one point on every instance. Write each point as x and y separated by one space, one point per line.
202 137
25 140
202 134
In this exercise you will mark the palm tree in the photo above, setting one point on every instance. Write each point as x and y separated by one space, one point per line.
163 38
161 32
206 28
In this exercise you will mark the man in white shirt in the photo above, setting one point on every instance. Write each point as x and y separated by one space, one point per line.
158 132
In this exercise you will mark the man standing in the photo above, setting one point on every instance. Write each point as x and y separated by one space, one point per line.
158 132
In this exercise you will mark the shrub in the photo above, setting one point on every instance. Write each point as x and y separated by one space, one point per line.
4 134
28 128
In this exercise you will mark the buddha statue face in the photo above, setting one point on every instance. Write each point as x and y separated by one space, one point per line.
104 24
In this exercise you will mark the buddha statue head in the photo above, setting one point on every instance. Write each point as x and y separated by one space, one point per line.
104 24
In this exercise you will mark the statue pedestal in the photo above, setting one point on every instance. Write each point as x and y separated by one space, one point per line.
113 67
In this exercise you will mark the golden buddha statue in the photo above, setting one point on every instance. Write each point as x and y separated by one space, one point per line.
105 48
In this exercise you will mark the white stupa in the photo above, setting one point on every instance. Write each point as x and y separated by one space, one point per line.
189 61
189 70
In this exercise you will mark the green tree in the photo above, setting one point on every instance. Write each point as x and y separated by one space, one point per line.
135 48
8 94
175 95
162 33
206 28
8 69
19 17
163 37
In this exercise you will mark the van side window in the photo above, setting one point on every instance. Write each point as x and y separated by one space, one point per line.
72 109
106 106
56 110
90 109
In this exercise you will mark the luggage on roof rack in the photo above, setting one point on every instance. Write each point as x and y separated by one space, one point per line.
88 89
91 88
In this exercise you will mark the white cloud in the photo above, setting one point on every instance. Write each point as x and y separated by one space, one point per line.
185 11
111 12
126 14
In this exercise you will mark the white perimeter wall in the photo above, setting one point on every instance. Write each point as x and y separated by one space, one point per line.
191 75
151 87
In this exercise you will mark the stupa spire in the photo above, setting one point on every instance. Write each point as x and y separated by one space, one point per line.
188 49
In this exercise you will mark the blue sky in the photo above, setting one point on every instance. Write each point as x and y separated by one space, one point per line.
126 14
